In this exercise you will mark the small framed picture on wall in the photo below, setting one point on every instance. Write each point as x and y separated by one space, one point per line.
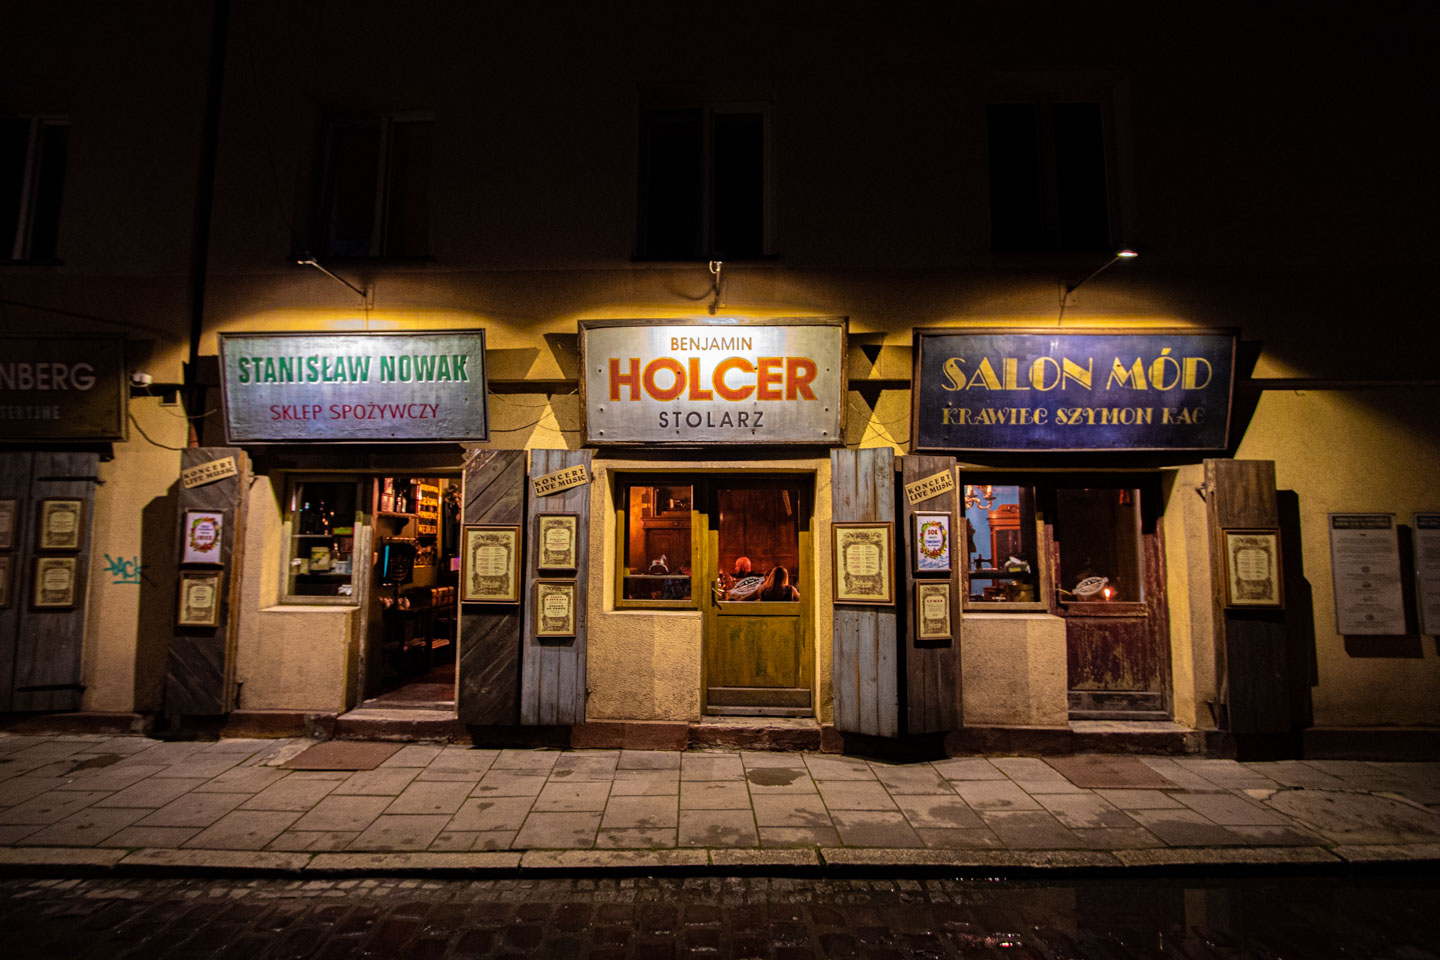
555 608
60 523
932 542
55 583
203 532
558 541
490 563
5 564
1252 569
9 522
199 604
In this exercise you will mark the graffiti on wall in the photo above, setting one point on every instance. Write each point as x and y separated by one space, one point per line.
123 569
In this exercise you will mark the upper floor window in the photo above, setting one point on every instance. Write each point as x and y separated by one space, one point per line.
704 188
375 187
32 178
1050 184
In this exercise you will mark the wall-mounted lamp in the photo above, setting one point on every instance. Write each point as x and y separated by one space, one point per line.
1124 253
309 261
715 267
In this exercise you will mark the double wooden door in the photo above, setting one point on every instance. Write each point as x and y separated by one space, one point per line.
759 651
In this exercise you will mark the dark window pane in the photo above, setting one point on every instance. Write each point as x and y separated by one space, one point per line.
45 224
739 185
14 144
322 539
670 186
1098 531
1017 199
349 211
1080 176
657 542
408 220
1000 543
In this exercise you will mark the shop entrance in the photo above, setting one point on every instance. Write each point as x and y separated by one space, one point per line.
1109 570
412 612
759 650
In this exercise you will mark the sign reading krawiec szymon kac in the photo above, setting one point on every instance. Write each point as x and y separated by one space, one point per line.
750 382
411 387
62 388
1012 389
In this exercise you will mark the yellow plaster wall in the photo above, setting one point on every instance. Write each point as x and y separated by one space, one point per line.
1187 589
125 639
287 657
1372 451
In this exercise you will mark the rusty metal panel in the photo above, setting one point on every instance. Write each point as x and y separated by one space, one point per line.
678 382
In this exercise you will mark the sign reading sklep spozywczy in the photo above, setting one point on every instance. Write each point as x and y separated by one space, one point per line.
772 381
409 387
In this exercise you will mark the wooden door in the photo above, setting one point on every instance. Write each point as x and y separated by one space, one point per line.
758 652
1109 570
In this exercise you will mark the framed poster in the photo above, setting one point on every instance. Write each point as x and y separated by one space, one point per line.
1365 571
1427 570
199 598
1252 569
9 515
490 564
555 608
55 582
59 527
932 542
5 563
203 530
559 538
863 560
932 610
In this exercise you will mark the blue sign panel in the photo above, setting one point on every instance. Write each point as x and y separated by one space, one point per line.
1021 390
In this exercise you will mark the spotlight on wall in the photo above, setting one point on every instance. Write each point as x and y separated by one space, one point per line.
1124 253
309 261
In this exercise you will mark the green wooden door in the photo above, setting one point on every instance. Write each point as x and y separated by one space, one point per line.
759 653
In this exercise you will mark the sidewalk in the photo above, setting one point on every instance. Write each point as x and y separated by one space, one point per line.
132 803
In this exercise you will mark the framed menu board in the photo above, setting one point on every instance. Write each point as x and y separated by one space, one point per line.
1365 570
864 562
490 564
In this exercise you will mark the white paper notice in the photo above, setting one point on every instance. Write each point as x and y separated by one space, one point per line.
1365 567
1427 570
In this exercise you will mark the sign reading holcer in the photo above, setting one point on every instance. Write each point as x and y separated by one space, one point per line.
354 387
62 388
776 381
1030 390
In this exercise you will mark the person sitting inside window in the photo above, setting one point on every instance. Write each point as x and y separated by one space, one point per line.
777 586
739 586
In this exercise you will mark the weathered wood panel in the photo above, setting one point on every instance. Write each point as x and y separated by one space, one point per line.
49 642
553 670
1252 644
200 667
865 671
15 471
489 662
932 690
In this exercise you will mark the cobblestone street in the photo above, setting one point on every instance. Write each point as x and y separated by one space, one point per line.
659 919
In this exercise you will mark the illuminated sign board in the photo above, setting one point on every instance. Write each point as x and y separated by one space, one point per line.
1018 390
62 388
678 382
354 387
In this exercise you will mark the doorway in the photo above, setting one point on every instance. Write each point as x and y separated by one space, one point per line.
759 645
411 623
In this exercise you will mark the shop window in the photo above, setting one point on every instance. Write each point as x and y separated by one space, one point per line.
375 187
656 554
703 184
759 541
321 516
33 152
1097 531
1049 179
1004 565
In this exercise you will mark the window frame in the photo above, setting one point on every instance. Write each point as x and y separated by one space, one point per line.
1043 579
20 246
1104 608
361 537
708 111
623 483
324 210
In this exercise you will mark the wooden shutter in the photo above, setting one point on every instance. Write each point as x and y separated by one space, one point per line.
489 665
932 687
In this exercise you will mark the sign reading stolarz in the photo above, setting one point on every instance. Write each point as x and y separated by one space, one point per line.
354 387
1015 390
691 382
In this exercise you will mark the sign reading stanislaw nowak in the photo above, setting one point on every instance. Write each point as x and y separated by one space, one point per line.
1031 390
62 388
410 387
767 382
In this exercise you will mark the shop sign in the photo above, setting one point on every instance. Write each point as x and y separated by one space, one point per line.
677 382
354 387
62 388
210 471
1017 390
561 480
928 487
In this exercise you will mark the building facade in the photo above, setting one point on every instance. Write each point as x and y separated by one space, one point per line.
404 288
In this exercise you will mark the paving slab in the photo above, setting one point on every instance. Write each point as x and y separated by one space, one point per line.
1227 809
640 812
711 766
764 858
48 808
431 797
646 783
243 830
485 814
381 782
59 857
717 828
1139 799
193 810
855 795
136 837
1380 852
108 779
1030 830
586 766
919 778
509 783
151 793
229 861
400 832
799 837
791 811
635 838
1185 828
1357 818
714 795
342 813
19 789
1085 810
838 768
314 840
414 755
1117 838
875 828
995 795
369 863
959 838
564 796
243 780
291 794
648 760
612 859
544 830
775 779
530 761
939 813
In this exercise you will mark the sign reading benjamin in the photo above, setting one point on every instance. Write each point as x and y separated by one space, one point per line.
771 381
996 389
62 388
409 387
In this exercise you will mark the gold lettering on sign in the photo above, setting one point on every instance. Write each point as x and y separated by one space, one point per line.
201 474
561 480
931 486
